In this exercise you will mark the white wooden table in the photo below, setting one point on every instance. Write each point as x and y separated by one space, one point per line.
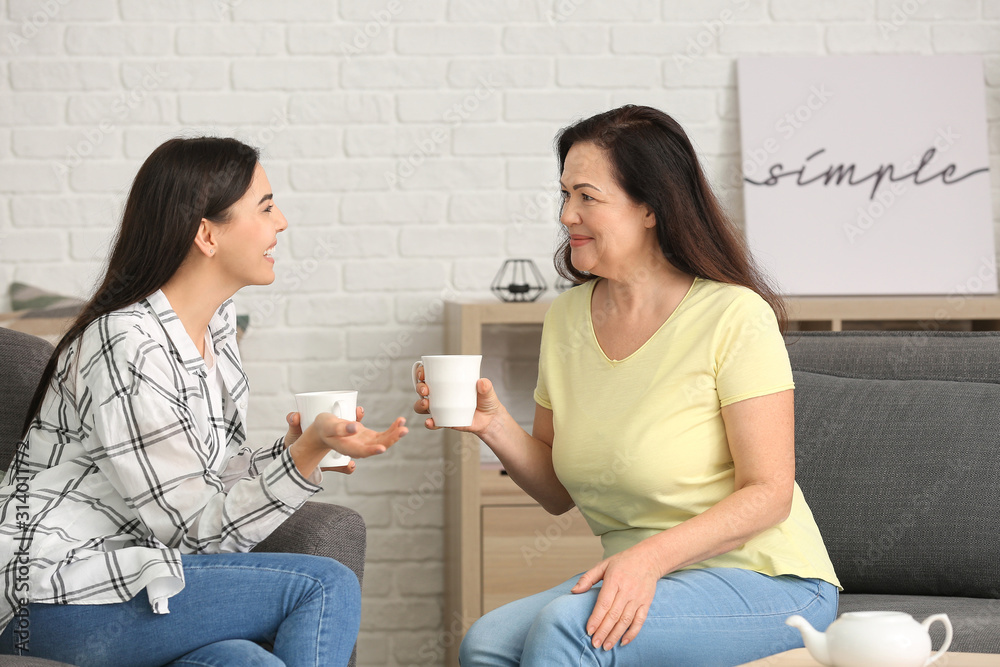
800 658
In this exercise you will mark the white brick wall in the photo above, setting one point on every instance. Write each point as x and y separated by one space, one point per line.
409 143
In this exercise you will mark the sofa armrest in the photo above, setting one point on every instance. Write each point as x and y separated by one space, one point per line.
322 529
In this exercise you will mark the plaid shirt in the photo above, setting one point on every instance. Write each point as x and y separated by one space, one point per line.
129 465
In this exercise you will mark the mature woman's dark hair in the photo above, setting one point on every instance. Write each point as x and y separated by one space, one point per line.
181 182
653 161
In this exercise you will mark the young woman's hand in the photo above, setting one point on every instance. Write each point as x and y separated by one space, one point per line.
352 464
353 438
488 406
630 579
294 420
295 430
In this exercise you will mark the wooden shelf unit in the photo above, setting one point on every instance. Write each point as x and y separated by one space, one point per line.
930 313
500 545
469 488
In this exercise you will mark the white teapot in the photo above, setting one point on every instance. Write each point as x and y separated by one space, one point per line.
873 639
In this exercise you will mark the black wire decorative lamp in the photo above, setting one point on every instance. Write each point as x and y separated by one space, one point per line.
518 280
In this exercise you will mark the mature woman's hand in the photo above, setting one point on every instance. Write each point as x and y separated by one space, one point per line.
488 406
627 592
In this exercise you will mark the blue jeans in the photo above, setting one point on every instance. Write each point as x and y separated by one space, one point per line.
307 607
715 616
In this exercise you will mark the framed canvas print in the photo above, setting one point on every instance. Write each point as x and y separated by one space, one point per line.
868 175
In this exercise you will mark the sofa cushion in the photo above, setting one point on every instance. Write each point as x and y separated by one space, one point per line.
898 355
39 312
22 360
49 315
902 478
29 297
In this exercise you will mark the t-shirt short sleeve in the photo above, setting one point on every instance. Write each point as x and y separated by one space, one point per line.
750 355
541 387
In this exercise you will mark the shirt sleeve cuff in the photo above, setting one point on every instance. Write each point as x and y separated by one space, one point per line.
263 456
283 481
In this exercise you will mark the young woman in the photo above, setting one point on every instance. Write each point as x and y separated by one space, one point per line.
664 412
133 498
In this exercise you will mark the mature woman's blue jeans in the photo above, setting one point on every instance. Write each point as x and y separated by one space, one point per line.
715 616
307 607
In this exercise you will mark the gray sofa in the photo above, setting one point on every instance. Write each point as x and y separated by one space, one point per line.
317 528
897 440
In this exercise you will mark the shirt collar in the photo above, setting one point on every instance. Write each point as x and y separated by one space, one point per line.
220 328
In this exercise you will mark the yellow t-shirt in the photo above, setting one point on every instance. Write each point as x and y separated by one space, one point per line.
640 443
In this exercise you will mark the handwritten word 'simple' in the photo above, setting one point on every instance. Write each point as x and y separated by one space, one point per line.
840 173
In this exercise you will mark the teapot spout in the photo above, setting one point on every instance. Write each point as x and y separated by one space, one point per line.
814 640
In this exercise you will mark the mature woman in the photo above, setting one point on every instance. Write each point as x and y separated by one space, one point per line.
664 412
125 546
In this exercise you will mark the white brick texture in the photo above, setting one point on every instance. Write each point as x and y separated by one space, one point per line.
410 145
822 10
118 40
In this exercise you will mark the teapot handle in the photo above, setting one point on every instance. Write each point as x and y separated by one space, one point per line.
947 634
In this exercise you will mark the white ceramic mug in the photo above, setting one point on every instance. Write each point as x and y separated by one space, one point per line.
451 379
343 404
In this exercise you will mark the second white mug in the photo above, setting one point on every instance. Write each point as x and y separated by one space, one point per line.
451 379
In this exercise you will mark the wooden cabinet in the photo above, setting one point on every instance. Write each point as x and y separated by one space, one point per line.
527 550
476 496
500 545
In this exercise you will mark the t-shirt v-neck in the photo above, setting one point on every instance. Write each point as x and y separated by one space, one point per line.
663 325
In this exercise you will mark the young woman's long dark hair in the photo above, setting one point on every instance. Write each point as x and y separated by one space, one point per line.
653 161
181 182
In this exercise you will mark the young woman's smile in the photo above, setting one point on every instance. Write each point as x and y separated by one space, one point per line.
250 235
